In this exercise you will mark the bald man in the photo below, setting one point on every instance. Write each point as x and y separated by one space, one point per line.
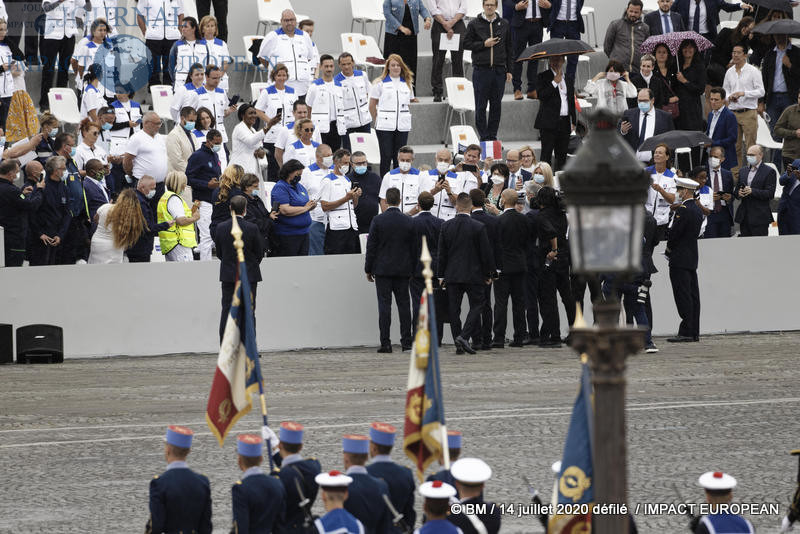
292 47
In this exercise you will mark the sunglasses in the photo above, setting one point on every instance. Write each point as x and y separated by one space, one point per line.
308 129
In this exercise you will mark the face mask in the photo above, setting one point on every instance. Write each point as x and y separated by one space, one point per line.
644 107
189 126
344 169
497 180
151 193
442 166
255 192
360 169
404 166
751 160
107 126
99 176
2 141
130 181
612 76
72 152
538 178
327 161
295 180
216 148
714 162
53 133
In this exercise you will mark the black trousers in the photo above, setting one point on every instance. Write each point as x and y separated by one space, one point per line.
579 283
22 14
440 55
530 33
718 224
386 286
227 297
564 288
273 168
404 46
555 141
76 243
532 301
548 306
55 54
509 285
14 258
488 85
751 230
220 12
341 242
41 254
483 333
143 258
417 286
687 299
291 245
332 138
159 49
476 295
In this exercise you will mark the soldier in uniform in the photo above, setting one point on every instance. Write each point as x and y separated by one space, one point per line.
365 493
399 478
682 253
454 445
794 509
296 472
180 499
436 506
334 493
259 501
470 475
719 486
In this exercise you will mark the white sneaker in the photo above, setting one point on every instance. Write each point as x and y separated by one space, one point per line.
651 348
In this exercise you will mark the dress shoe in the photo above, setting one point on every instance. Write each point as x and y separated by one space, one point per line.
531 341
437 98
532 95
463 344
498 345
550 343
696 338
680 339
517 95
651 348
406 348
486 346
385 349
516 344
459 351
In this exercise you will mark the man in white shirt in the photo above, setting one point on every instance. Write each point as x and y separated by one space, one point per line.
744 86
159 22
57 44
293 48
339 200
406 179
443 184
146 154
324 100
210 96
311 179
448 22
469 171
355 97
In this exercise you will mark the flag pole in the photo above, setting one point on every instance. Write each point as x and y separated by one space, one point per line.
238 244
426 259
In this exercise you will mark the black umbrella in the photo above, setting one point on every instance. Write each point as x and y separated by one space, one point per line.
781 5
555 47
779 27
677 139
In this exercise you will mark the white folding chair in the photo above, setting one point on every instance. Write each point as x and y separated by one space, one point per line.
64 105
587 12
764 138
366 143
190 9
269 13
350 42
460 99
474 7
366 47
649 5
162 100
248 42
366 11
255 90
464 135
467 58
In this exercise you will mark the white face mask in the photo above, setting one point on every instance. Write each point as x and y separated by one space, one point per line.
497 179
442 166
327 161
404 166
151 193
344 169
714 162
612 76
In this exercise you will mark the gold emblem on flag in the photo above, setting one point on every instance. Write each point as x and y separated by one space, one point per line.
574 483
249 366
415 408
224 410
423 346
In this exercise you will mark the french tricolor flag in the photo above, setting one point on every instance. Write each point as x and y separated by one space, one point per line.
491 149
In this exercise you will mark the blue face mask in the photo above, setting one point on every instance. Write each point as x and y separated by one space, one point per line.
189 126
53 133
107 126
72 152
538 178
360 169
216 148
255 192
644 107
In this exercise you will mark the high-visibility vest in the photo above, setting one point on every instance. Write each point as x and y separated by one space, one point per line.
174 235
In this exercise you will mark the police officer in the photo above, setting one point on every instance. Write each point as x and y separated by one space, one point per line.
719 486
180 499
15 206
470 475
259 501
336 520
794 509
295 472
436 507
454 440
339 198
365 493
682 253
399 478
52 220
406 178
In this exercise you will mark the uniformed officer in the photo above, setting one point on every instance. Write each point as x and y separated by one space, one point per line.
794 509
454 440
365 493
470 475
682 253
15 207
297 475
719 486
334 494
259 501
399 478
436 507
180 499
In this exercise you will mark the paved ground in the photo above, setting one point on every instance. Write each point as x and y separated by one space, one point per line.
80 441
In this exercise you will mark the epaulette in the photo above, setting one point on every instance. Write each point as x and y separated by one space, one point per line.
155 477
238 481
314 457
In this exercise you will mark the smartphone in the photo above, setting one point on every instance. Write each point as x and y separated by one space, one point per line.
354 185
233 100
276 206
279 114
469 167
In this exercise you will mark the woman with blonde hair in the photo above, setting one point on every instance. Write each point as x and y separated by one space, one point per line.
180 238
543 174
304 149
389 102
218 53
229 187
528 158
119 227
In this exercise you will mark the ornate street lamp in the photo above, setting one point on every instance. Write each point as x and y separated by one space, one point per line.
605 188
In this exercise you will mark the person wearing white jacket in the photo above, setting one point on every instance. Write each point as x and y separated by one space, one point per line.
612 87
247 149
326 105
293 48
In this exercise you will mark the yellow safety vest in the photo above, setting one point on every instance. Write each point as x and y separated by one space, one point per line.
174 235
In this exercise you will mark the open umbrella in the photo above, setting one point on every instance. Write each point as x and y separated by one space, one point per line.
779 27
673 41
677 139
780 5
555 47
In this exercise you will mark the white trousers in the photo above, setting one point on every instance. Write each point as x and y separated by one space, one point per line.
180 253
203 223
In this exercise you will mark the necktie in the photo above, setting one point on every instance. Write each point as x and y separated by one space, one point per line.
667 26
696 22
643 129
569 10
717 189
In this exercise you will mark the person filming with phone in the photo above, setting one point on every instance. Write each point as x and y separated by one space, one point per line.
339 197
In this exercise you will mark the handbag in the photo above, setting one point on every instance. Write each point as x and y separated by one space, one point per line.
671 107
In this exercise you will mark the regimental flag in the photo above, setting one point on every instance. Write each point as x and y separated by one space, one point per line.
575 482
238 371
491 149
424 422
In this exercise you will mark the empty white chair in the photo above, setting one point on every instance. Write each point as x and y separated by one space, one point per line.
366 143
366 11
587 12
350 42
190 9
162 99
269 13
463 135
248 64
460 99
366 47
64 105
764 137
684 150
256 88
474 7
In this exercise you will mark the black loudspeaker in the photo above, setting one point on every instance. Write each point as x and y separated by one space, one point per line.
40 343
6 343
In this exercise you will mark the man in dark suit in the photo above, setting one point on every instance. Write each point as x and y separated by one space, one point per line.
789 204
566 22
663 20
483 337
425 225
780 87
527 20
722 128
515 234
95 191
229 260
756 188
389 263
682 254
643 122
517 176
703 18
466 263
720 179
556 114
258 500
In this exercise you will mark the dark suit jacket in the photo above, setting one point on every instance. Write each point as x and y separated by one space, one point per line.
712 13
789 207
754 208
663 124
94 198
790 76
682 240
555 7
726 177
464 252
517 18
649 244
515 234
428 225
180 500
511 184
391 245
226 252
493 233
550 100
259 503
656 86
656 23
725 135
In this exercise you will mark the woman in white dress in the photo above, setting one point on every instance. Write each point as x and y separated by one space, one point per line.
119 227
247 148
218 53
304 149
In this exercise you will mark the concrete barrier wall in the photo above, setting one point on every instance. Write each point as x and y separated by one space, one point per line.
747 284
